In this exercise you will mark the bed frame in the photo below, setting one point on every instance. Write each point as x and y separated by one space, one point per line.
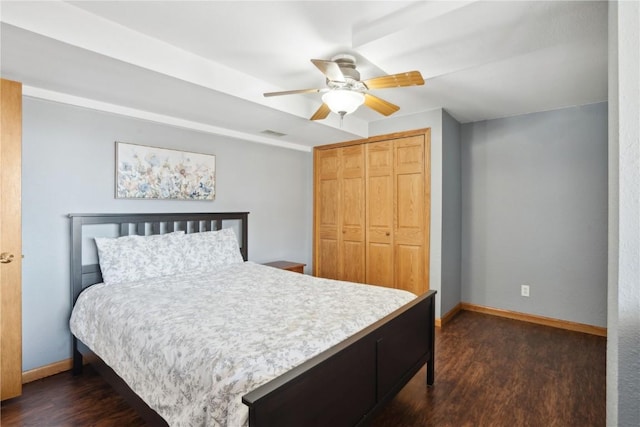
345 385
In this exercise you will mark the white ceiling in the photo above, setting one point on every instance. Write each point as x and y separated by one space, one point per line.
205 65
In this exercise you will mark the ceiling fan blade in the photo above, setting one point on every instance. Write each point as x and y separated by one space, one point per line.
292 92
330 69
411 78
321 113
380 105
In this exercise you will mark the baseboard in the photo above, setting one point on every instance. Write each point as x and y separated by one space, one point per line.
46 371
540 320
448 316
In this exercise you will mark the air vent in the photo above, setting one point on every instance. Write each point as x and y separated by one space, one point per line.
273 133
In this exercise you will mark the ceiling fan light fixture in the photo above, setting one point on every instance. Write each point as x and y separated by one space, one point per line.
345 92
342 101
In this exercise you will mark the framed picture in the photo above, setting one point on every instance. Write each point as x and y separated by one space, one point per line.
144 172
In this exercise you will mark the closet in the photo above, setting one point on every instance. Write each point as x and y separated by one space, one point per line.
371 210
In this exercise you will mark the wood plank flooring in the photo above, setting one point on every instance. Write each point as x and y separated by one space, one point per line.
490 371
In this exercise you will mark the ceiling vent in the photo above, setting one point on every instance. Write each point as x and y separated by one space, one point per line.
273 133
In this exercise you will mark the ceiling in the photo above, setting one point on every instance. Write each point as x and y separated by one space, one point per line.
205 65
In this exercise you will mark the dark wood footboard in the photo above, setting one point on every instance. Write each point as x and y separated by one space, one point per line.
347 384
343 386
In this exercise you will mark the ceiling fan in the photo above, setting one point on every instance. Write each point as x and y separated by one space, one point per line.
345 92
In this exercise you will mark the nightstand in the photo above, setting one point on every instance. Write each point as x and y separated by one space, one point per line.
296 267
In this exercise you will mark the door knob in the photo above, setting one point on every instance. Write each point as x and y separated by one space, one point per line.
6 257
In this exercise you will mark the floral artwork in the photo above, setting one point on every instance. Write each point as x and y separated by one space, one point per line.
156 173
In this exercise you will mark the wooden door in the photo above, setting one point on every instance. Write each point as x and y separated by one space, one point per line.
352 190
327 214
372 210
10 239
379 214
410 216
339 214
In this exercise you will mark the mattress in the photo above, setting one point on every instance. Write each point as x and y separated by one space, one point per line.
192 345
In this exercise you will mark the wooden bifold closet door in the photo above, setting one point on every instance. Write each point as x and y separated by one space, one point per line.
372 211
340 214
10 240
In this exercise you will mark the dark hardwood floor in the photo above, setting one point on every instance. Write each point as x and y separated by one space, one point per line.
490 371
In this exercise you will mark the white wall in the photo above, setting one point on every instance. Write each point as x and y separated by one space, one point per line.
534 209
68 167
623 344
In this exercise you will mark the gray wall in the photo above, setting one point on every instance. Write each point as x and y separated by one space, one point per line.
451 215
534 203
623 343
68 167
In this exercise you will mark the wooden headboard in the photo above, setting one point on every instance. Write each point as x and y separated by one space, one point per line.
142 224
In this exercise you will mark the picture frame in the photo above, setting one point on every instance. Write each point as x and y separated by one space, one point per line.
145 172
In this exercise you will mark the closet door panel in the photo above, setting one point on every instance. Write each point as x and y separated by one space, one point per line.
380 208
410 268
352 161
410 220
10 239
340 216
380 202
327 214
410 210
380 195
353 197
409 154
327 185
353 262
379 270
328 263
352 255
410 184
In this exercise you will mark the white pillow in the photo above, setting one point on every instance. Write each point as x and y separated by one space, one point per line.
131 258
210 249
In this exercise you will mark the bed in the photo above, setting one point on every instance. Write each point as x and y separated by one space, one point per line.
336 378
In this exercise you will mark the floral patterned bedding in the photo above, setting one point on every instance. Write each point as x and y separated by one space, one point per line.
192 345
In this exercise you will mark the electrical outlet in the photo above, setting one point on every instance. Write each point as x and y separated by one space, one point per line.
524 290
